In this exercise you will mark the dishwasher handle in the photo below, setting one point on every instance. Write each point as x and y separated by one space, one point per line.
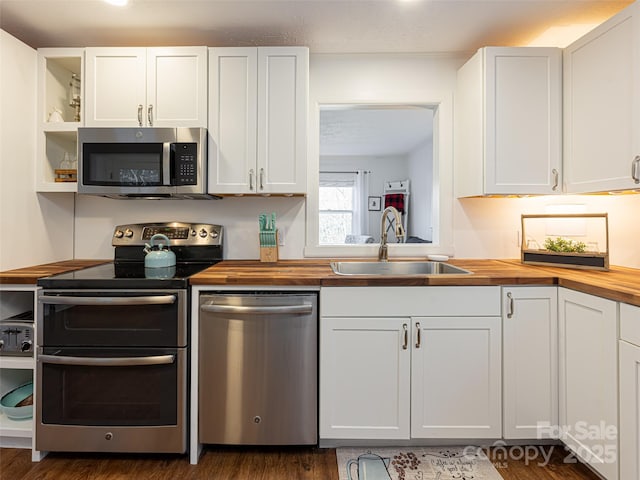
248 310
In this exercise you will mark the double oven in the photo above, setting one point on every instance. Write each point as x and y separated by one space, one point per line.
112 359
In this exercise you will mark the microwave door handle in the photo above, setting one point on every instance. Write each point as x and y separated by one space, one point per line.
108 301
108 361
166 164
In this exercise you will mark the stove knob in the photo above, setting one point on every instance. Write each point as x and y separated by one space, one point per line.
26 345
214 234
1 344
128 233
118 234
203 233
193 233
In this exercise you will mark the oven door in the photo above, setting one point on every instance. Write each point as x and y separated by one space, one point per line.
111 400
112 318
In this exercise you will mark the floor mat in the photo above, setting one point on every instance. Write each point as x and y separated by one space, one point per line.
415 463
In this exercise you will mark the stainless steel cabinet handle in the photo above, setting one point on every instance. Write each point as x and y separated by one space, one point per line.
262 179
107 362
279 309
510 307
139 115
405 344
251 179
556 179
635 169
106 301
150 115
418 337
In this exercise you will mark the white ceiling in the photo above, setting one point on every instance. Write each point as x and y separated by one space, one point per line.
327 26
374 131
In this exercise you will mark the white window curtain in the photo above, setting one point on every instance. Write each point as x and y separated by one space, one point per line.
361 200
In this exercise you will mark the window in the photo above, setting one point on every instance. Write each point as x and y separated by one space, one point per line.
337 198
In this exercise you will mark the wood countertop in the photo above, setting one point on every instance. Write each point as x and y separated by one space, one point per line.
619 284
30 275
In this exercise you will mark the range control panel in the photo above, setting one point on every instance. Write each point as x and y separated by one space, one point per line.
179 233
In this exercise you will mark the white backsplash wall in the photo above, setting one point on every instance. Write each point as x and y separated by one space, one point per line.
489 227
97 216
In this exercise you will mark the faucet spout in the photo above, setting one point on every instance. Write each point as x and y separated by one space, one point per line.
383 254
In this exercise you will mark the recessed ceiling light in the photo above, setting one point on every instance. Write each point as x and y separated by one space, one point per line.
119 3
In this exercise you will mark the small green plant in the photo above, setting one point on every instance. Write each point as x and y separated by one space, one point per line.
563 245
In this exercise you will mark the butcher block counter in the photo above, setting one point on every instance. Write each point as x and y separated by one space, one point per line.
30 275
620 283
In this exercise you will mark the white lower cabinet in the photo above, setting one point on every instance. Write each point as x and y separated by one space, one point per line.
410 362
455 377
629 392
364 378
588 376
530 353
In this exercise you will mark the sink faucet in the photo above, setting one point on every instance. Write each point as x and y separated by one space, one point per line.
383 255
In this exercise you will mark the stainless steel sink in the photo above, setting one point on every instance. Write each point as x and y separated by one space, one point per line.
397 268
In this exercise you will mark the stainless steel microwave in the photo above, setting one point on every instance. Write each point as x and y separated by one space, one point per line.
143 162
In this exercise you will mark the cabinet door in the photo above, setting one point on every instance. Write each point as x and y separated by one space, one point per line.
629 392
115 87
588 379
602 106
530 339
232 120
364 378
176 87
629 411
282 119
456 377
508 137
523 135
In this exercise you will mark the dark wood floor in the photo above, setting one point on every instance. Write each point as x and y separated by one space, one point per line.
251 464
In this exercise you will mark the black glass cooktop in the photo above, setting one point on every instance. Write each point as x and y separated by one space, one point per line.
125 275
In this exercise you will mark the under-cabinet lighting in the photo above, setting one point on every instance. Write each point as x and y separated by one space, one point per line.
119 3
561 35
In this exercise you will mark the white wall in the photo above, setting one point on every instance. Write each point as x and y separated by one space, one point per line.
488 227
421 198
35 228
96 217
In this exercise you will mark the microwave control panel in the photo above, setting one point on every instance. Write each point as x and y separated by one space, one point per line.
184 163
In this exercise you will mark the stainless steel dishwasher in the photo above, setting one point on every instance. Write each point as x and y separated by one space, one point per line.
258 368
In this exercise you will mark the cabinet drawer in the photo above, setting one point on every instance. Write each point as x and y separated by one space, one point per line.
409 301
630 323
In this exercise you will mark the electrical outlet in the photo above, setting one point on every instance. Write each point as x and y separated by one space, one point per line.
281 237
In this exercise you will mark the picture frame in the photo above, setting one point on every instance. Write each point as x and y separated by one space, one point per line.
375 204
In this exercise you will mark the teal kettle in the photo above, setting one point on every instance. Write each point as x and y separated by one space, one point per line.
160 261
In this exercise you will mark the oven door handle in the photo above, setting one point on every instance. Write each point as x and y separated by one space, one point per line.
107 362
280 309
103 301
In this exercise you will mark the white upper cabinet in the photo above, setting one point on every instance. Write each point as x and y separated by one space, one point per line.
258 120
508 120
602 107
146 87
